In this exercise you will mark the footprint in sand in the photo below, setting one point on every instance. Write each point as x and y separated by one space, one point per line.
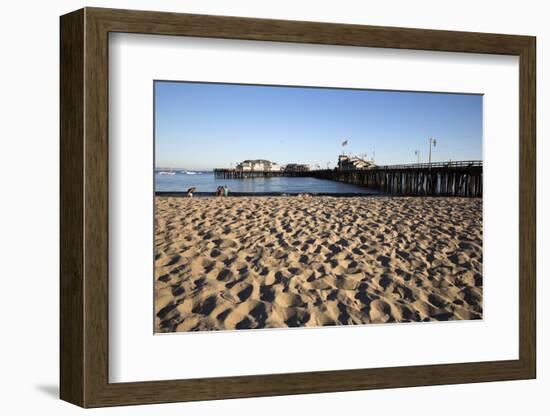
245 293
266 293
173 260
225 275
208 265
288 300
225 243
380 311
206 307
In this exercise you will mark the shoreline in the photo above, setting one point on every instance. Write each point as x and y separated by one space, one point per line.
177 194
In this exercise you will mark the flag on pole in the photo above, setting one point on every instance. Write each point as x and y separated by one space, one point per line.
344 143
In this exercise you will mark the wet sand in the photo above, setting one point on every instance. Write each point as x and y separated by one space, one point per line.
275 262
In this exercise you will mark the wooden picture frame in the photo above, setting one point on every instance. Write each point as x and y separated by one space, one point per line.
84 207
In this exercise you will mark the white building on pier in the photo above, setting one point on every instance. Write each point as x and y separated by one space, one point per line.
346 163
258 165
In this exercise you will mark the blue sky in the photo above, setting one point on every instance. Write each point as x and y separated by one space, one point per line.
200 126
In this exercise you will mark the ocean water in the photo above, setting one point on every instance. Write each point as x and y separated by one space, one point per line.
206 182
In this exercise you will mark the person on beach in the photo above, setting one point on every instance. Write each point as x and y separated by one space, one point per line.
191 191
225 191
219 191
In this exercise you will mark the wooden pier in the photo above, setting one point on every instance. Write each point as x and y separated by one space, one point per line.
440 179
464 178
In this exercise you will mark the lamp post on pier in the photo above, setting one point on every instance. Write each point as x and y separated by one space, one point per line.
432 142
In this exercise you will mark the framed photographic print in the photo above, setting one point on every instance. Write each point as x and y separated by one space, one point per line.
255 207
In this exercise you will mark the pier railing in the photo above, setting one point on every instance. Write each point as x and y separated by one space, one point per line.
460 178
450 164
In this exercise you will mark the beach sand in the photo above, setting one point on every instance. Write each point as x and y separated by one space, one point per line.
274 262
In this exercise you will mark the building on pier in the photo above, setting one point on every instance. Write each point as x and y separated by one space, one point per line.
349 163
258 165
296 167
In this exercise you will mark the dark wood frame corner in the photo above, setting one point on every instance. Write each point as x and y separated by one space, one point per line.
84 207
